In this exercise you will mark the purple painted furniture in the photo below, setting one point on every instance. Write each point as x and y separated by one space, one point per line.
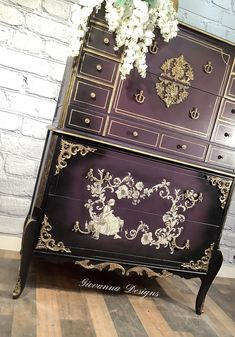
136 175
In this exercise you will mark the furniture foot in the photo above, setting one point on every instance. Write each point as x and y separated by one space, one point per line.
29 241
213 268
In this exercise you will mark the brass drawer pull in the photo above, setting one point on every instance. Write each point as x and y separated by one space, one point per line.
93 95
99 67
226 134
233 111
87 121
220 157
194 113
139 97
153 49
183 147
208 68
135 134
106 41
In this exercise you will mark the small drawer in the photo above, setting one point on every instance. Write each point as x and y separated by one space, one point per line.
230 90
221 157
98 38
84 121
90 96
227 111
183 147
98 67
224 134
133 133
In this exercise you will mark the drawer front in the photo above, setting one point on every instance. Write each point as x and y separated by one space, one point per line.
230 90
138 98
98 67
89 96
183 147
84 121
227 111
109 201
100 39
208 63
224 134
132 133
221 157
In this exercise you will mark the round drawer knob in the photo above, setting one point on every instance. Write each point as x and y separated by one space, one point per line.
226 134
99 67
93 95
87 121
135 134
106 41
183 147
233 111
220 157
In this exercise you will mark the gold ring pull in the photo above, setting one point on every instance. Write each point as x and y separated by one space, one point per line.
106 41
153 49
220 157
87 121
139 97
194 113
135 134
226 134
93 95
208 67
183 147
99 67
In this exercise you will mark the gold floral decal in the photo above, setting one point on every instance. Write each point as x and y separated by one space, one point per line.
174 80
201 264
69 149
103 221
116 266
224 187
45 240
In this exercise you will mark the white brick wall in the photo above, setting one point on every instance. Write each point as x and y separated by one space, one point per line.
34 43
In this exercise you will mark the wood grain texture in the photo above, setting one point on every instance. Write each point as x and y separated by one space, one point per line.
53 304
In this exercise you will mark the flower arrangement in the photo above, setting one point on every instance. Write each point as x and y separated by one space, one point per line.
133 22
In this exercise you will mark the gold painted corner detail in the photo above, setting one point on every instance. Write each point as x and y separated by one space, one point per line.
68 150
223 185
45 240
201 264
116 266
174 81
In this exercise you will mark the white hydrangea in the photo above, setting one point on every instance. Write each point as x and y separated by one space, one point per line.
133 23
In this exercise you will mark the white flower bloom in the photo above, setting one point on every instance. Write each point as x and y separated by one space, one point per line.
122 192
147 238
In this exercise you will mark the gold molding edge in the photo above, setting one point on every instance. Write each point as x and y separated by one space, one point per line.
68 150
46 241
17 289
116 266
223 185
203 263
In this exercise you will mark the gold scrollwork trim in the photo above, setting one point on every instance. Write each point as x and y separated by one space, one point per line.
201 264
223 185
116 266
68 150
45 240
17 289
101 266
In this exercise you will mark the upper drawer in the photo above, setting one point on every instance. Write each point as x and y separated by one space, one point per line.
227 111
224 134
230 90
89 96
204 65
98 67
182 147
190 110
84 121
99 39
132 133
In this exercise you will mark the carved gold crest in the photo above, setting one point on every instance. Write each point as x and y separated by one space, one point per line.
174 80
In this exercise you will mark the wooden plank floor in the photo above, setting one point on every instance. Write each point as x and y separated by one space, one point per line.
53 305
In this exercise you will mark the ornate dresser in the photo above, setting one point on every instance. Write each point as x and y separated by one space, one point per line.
137 174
